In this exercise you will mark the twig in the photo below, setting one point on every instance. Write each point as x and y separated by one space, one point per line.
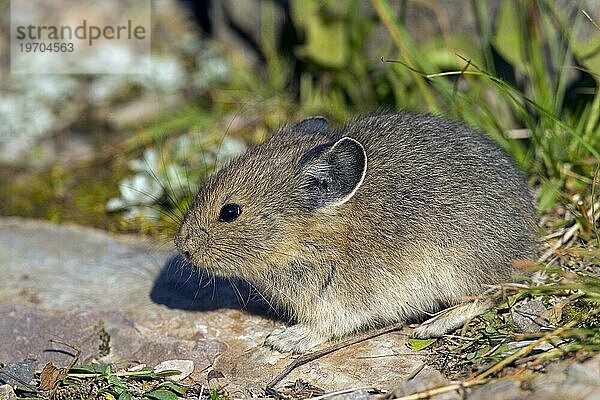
407 66
493 349
306 358
392 355
425 394
415 372
74 358
564 239
338 392
84 375
525 350
410 376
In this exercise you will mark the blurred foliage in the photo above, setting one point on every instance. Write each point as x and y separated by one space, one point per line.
528 78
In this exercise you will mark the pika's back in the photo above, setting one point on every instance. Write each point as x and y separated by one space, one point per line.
439 183
429 182
431 155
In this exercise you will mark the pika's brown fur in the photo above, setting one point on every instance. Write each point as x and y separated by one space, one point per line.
379 221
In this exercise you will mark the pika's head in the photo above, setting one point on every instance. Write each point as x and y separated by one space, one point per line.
257 213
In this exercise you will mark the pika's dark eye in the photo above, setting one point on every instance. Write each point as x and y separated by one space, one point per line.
229 212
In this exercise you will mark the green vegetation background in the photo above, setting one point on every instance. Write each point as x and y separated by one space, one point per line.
513 81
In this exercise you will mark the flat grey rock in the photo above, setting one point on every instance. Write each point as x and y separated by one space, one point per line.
126 301
7 393
77 284
531 316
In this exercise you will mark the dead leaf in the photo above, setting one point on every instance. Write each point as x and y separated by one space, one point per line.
51 375
214 374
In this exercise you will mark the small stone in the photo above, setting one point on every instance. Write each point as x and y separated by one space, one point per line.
498 390
138 367
427 379
185 367
7 393
531 316
23 370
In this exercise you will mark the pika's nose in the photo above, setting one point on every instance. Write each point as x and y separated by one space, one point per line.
181 241
181 244
188 240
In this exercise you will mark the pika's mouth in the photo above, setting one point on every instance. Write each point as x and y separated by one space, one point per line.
214 267
187 256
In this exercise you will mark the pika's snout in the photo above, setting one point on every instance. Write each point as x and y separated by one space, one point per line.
182 244
187 240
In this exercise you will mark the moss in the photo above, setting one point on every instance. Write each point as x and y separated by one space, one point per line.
60 194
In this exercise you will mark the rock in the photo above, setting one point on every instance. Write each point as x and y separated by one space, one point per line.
427 379
122 300
531 316
26 332
568 380
185 367
18 373
83 286
499 390
7 393
360 394
565 380
587 372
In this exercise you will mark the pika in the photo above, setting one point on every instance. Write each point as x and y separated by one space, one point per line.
386 219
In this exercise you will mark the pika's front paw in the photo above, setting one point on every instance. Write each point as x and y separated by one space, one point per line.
297 338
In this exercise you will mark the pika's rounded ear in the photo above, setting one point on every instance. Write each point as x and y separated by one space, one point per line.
316 124
335 175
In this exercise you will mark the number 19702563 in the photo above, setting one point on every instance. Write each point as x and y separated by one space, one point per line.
46 47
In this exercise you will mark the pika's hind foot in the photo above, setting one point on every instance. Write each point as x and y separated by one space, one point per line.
297 338
452 318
